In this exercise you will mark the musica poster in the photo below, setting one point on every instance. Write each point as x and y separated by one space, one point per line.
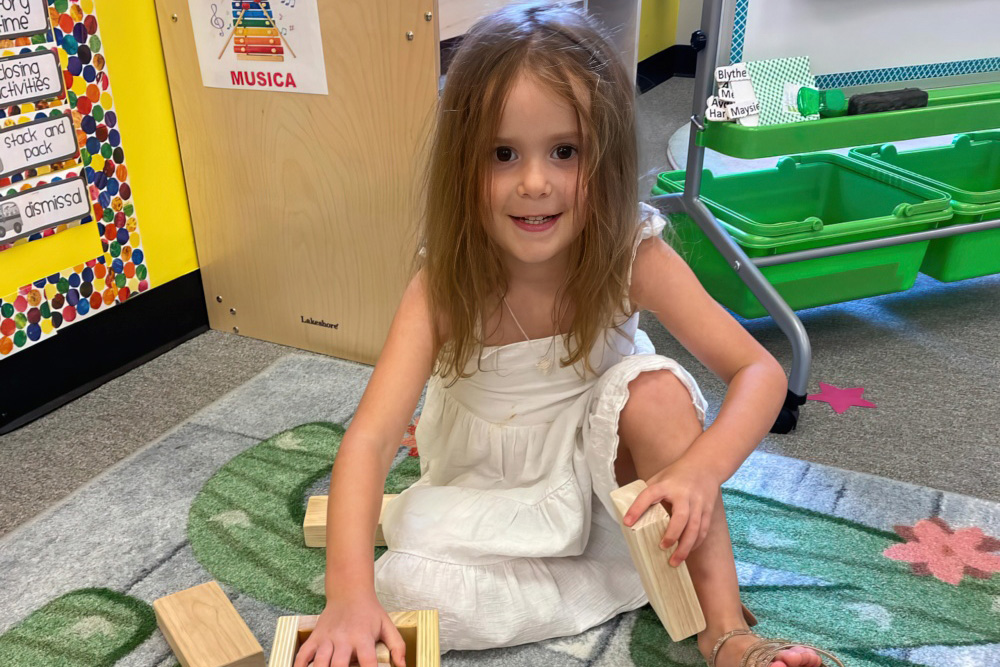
272 45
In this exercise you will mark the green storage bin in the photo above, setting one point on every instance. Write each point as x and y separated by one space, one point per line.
968 170
808 201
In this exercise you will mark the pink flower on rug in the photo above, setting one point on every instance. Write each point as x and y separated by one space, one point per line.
410 437
933 548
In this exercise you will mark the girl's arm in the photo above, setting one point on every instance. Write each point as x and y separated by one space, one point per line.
664 284
353 620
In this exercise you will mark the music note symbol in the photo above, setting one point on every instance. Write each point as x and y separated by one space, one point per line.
217 21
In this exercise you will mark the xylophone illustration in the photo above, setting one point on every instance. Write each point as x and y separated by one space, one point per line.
256 34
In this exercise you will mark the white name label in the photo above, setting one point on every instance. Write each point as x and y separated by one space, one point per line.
33 210
715 110
737 72
30 77
22 18
726 94
743 109
36 144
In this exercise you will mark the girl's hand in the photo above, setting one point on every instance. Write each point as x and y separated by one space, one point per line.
691 495
346 633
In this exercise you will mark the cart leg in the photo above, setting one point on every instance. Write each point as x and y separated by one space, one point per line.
691 204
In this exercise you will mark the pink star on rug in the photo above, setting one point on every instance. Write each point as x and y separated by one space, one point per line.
840 399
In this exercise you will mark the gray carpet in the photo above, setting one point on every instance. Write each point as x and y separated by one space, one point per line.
127 529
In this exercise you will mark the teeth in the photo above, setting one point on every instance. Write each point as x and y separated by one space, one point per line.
537 220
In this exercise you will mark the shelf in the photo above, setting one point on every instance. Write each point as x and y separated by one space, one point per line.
948 111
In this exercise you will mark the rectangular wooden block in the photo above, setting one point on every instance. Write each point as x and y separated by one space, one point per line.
314 525
204 629
669 589
418 628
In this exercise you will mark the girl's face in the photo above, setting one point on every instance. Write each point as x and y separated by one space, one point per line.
535 162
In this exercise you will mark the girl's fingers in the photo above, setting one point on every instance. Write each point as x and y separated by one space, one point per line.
323 656
394 642
687 541
365 652
678 520
642 502
305 654
342 654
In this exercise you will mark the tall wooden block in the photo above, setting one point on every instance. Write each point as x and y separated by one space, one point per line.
314 525
668 588
418 628
204 629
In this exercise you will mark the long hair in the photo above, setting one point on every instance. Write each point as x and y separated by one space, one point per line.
563 49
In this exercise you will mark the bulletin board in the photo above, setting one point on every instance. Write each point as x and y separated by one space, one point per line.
75 171
854 43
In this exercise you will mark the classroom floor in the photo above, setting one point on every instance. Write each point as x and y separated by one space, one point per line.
926 356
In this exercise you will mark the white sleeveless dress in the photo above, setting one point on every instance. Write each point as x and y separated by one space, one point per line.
509 533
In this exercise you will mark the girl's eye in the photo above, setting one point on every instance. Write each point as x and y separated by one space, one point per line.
504 154
565 152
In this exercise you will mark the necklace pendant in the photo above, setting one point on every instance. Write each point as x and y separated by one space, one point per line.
544 365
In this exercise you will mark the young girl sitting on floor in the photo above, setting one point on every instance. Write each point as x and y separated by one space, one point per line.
543 395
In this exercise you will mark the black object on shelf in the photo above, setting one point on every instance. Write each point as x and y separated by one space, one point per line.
887 100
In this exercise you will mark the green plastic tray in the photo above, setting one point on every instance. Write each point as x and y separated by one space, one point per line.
968 170
808 201
948 111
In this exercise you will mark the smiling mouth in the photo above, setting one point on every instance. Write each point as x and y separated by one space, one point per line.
536 219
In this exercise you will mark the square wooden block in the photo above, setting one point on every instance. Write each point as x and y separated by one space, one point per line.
204 629
418 628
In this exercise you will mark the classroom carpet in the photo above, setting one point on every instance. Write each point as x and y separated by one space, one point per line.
881 572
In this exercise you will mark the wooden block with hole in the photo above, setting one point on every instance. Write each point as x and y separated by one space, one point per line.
314 525
418 628
668 588
204 629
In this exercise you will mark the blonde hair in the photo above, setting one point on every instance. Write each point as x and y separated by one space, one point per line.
561 48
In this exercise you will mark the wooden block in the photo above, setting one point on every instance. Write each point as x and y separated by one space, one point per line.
204 629
314 525
669 589
418 628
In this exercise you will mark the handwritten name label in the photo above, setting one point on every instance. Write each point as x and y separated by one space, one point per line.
33 210
319 323
23 18
737 72
30 77
34 144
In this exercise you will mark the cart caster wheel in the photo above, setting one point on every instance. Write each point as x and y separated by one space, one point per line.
788 418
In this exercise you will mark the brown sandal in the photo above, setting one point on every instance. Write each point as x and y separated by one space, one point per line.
763 652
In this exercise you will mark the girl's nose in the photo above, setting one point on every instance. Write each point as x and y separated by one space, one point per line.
534 181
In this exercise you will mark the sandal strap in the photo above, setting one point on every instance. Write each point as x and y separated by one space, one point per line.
722 640
765 651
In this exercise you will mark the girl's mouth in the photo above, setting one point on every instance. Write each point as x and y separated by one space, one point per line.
536 223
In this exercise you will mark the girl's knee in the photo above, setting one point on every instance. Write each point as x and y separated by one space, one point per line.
660 392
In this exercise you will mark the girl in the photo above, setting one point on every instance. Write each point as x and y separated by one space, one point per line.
543 395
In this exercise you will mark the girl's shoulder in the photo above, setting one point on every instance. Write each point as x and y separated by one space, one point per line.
418 291
651 221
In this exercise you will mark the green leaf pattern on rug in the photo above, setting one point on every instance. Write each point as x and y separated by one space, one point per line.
868 603
90 627
245 525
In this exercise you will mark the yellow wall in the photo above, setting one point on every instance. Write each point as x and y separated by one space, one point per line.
142 102
657 26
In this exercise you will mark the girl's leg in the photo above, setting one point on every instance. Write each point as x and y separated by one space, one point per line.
656 427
